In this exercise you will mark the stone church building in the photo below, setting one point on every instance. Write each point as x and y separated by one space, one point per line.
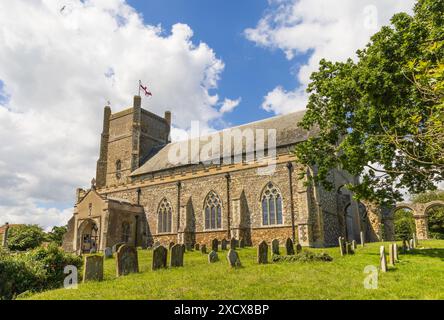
140 197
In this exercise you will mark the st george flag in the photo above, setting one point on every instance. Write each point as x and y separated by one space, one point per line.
144 89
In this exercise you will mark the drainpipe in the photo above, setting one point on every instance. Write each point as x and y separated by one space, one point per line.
290 178
179 186
228 177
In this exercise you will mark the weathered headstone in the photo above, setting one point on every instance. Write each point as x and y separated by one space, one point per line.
223 245
197 247
353 243
298 248
395 251
170 245
233 258
127 260
117 246
215 245
233 243
392 254
176 256
341 246
262 253
382 259
361 235
348 248
242 243
405 246
108 253
160 257
415 240
411 244
289 247
213 257
93 268
275 246
203 249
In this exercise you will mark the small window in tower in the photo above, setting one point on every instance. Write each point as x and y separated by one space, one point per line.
118 169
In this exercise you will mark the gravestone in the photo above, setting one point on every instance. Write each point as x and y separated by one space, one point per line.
117 246
160 257
262 253
108 253
353 245
415 240
242 243
341 246
289 247
411 244
213 257
233 243
395 251
298 248
361 235
233 258
93 250
127 260
348 248
93 268
170 245
223 245
203 249
197 247
382 259
392 254
176 256
405 246
215 245
275 246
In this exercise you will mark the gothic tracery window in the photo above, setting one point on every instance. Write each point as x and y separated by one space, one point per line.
271 205
213 211
126 232
164 216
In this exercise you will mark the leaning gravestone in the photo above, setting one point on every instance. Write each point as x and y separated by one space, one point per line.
197 247
127 260
392 254
108 253
361 235
275 246
93 268
242 243
233 258
176 256
203 249
233 243
160 257
262 253
117 246
382 259
215 245
353 243
289 247
223 245
341 246
213 257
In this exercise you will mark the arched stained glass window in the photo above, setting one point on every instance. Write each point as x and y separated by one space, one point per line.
271 205
164 216
213 211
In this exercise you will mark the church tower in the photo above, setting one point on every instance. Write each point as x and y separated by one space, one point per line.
129 138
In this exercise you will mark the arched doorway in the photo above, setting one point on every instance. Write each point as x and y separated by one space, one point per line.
89 236
435 220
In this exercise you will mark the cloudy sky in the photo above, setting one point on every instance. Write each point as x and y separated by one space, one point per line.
222 62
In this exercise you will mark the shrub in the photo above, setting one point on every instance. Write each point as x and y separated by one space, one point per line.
24 237
304 256
34 270
56 235
404 225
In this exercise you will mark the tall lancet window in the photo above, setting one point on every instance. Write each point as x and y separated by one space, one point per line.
164 217
213 211
271 205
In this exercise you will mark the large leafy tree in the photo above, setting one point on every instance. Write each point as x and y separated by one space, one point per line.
24 237
382 117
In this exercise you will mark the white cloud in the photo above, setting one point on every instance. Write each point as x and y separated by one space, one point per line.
59 67
228 105
333 30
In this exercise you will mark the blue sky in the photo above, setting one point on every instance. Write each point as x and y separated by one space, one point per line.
250 71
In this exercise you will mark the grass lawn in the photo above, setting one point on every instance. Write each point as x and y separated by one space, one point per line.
418 275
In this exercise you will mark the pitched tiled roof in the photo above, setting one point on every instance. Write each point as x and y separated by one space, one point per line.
287 133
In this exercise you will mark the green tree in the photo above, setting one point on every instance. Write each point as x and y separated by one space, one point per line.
24 237
404 224
382 117
56 234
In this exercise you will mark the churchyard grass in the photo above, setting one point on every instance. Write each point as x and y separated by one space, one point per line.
418 275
